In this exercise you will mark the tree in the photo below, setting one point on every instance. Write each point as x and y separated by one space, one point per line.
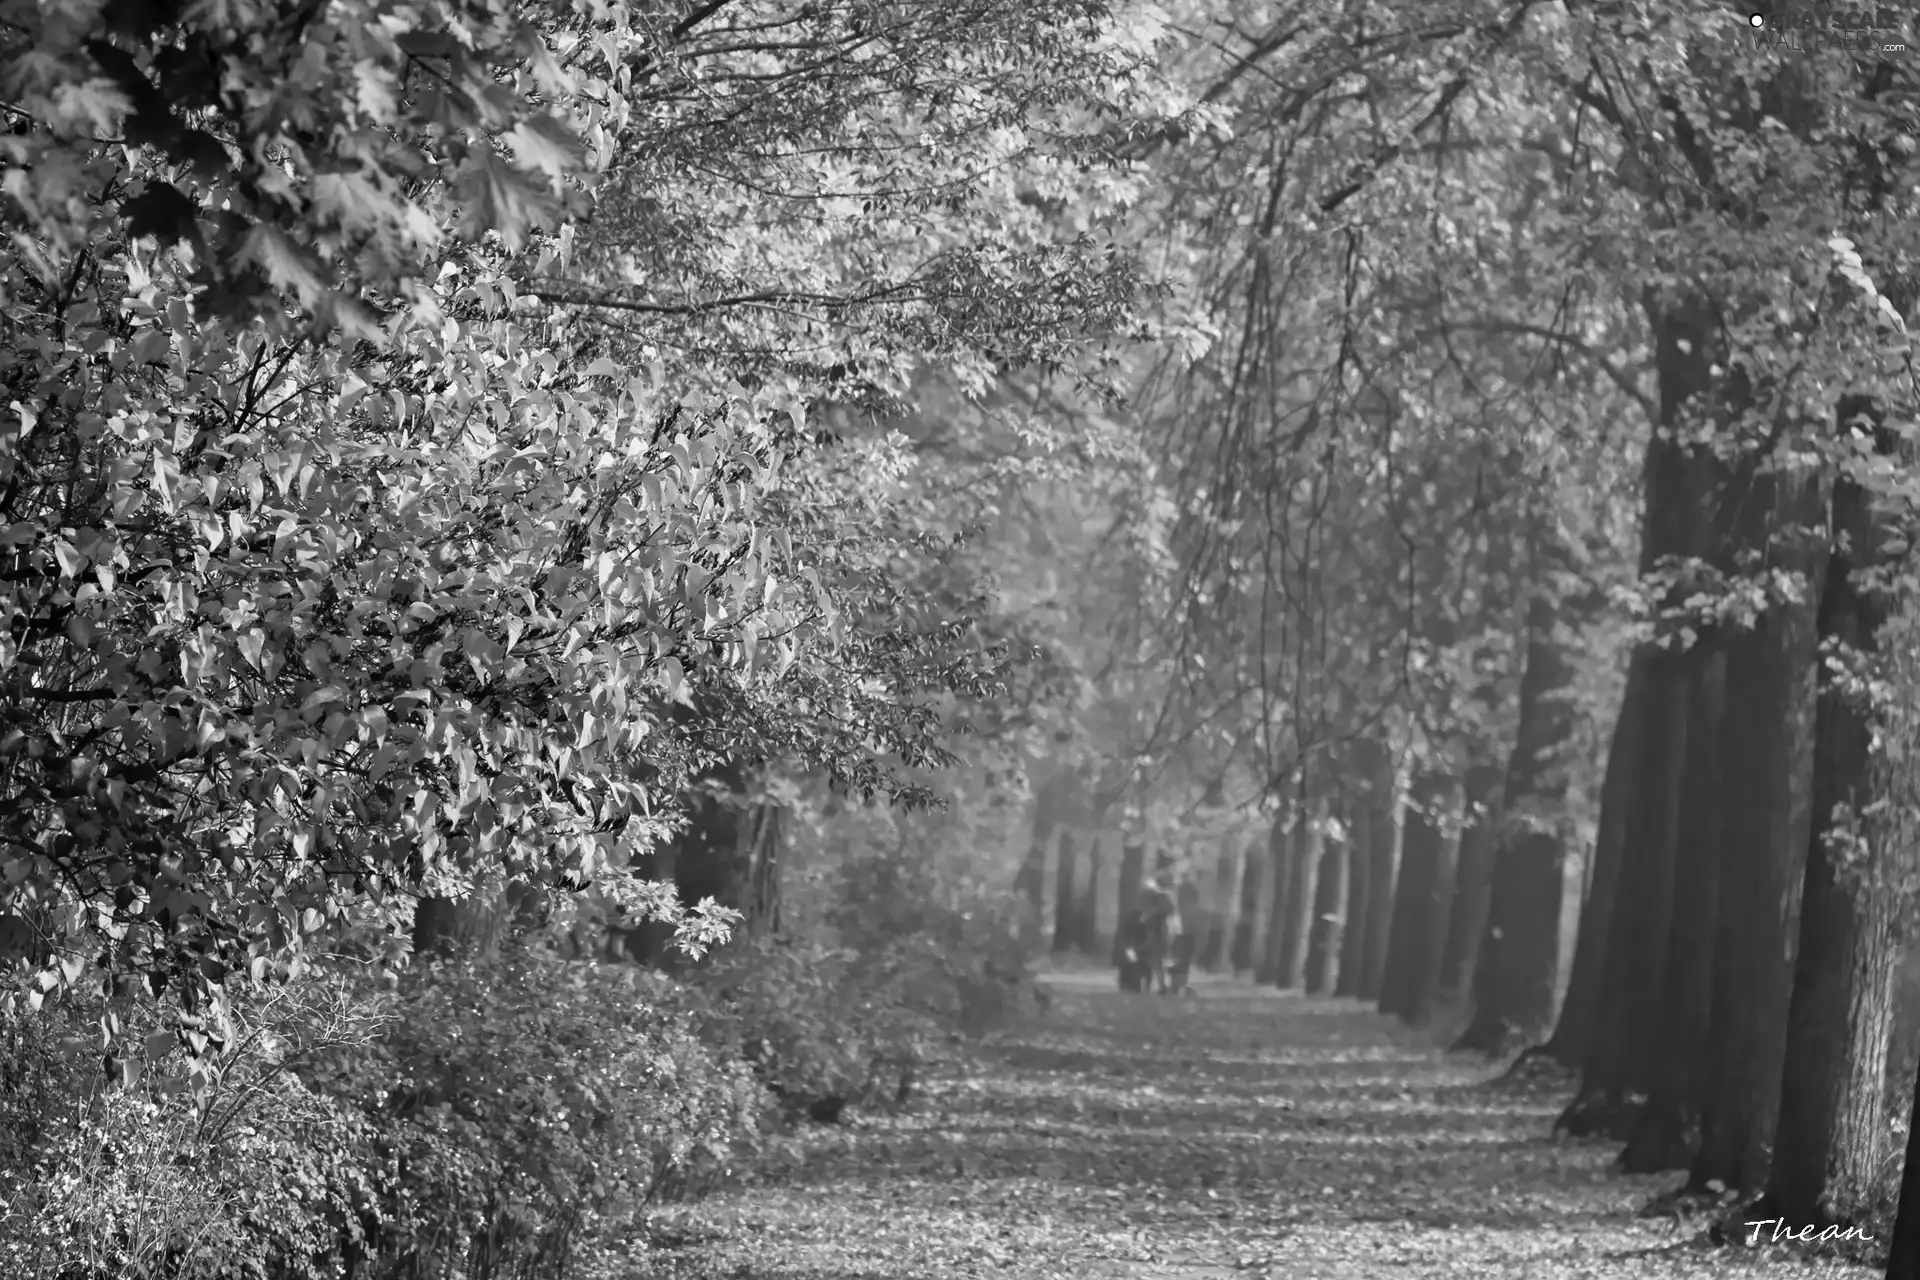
1421 901
1356 817
1621 1044
363 526
1480 815
1386 830
1572 1033
1331 914
1305 893
1828 1154
1516 982
1666 1132
1767 821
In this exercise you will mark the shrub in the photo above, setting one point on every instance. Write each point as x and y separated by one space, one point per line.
922 952
529 1108
243 1176
817 1028
490 1117
949 944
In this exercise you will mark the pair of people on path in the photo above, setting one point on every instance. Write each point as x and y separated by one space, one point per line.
1151 938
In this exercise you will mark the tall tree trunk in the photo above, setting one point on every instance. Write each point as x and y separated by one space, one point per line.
1038 880
1041 875
1309 847
1832 1125
1223 902
1133 869
1579 1012
1066 904
1419 902
1257 900
1903 1251
1518 975
1666 1132
1103 872
1376 773
1427 1004
1336 876
1473 892
1282 855
1766 824
1621 1043
1353 941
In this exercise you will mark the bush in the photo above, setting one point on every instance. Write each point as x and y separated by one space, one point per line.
511 1116
950 946
243 1176
922 953
816 1027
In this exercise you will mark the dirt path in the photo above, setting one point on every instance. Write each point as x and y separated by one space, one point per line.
1236 1133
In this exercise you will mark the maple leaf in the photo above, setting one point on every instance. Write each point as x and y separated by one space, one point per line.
544 144
495 197
97 104
285 264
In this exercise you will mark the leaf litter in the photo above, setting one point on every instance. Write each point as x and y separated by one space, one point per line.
1241 1133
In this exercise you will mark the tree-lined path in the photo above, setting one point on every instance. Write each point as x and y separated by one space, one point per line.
1240 1132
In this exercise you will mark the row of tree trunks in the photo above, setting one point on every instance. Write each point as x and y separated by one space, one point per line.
1091 878
1739 942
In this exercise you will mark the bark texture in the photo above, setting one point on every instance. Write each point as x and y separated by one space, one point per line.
1830 1145
1903 1251
1766 823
